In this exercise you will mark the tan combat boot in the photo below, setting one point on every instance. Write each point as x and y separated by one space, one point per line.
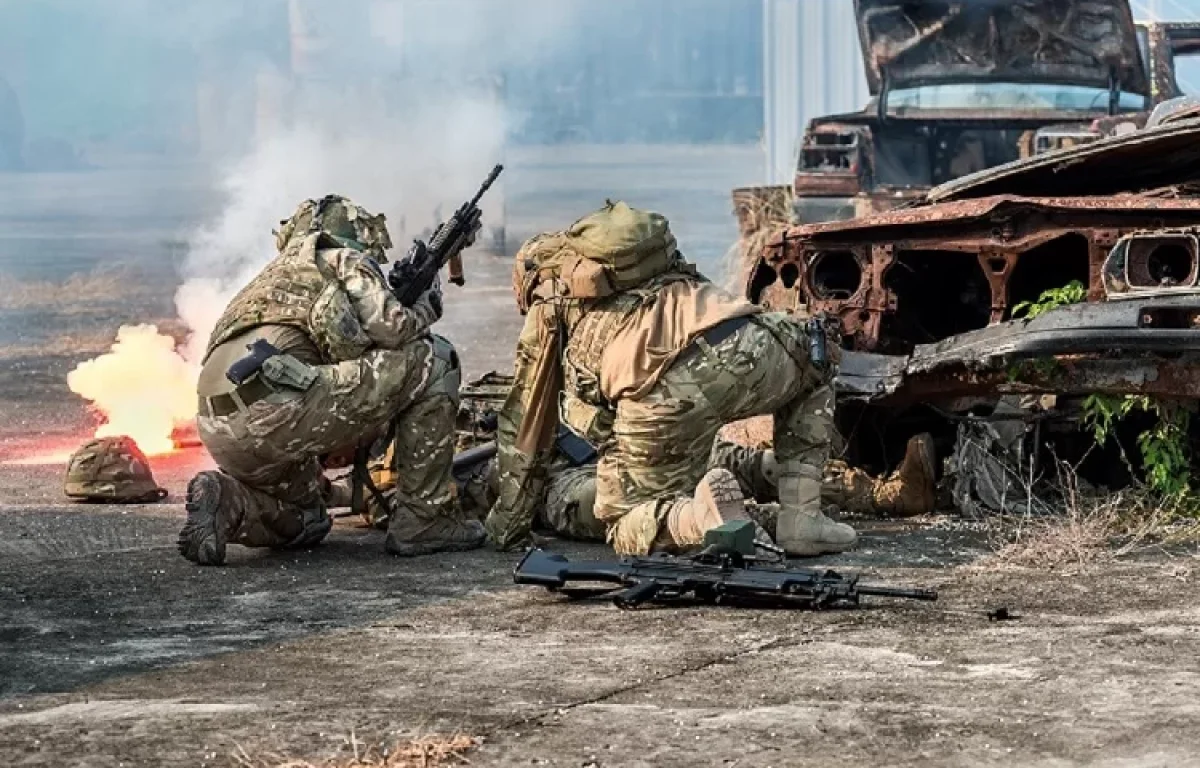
910 489
801 528
410 534
210 518
718 498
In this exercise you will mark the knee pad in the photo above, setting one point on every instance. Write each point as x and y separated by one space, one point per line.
446 377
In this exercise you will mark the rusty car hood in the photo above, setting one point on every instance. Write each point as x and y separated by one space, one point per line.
1069 42
1141 160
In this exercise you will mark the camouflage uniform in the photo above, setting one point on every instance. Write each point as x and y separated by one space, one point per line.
569 508
650 374
355 361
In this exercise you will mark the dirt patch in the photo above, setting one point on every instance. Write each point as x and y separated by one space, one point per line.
1080 677
757 432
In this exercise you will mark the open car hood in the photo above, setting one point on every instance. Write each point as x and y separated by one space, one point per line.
1068 42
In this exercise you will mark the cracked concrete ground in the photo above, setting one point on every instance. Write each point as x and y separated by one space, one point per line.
116 652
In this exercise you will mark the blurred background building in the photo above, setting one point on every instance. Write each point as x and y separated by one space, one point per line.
176 78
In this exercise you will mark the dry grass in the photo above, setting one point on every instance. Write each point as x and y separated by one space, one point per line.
427 751
85 342
1092 529
77 292
761 212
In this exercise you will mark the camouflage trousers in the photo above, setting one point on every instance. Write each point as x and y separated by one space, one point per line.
661 444
272 447
569 509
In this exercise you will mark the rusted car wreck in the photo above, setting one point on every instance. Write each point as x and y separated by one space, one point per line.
926 292
958 87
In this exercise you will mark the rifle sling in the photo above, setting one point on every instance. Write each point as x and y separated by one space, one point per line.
360 476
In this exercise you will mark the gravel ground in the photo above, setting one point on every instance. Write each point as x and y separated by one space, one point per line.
116 652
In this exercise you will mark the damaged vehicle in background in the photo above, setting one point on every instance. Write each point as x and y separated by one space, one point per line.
931 298
959 87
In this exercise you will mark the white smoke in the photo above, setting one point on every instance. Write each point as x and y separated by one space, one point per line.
431 157
409 129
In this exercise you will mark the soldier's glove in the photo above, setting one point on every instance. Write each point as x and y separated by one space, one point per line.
429 304
471 236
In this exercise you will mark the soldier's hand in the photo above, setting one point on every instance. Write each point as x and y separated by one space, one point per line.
429 304
473 234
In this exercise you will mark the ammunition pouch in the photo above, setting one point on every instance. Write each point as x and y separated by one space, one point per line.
334 324
592 423
447 373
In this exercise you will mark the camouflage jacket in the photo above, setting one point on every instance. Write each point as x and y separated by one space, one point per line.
576 358
336 296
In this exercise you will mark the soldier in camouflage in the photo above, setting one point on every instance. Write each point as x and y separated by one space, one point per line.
630 347
569 508
352 363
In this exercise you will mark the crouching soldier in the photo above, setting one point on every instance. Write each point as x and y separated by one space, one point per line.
569 507
314 355
629 346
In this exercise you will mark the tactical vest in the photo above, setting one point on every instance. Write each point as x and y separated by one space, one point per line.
294 290
590 327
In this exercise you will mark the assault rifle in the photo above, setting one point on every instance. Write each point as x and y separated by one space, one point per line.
576 450
414 274
721 573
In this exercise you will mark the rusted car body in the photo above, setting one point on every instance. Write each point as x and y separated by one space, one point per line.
926 292
958 87
978 246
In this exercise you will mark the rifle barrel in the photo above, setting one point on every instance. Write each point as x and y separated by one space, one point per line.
487 184
910 594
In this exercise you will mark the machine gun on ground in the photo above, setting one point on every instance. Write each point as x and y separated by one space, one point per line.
414 274
725 571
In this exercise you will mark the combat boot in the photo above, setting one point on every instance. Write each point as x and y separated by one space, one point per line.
718 498
210 520
910 489
410 534
801 529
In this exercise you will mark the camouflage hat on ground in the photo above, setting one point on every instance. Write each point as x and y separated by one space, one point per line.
340 218
112 469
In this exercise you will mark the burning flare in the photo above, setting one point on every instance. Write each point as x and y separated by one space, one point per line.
143 388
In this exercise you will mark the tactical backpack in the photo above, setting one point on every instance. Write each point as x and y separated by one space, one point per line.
612 250
111 469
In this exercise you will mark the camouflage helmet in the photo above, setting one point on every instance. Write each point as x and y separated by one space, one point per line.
340 218
111 469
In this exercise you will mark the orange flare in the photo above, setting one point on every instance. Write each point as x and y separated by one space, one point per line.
143 388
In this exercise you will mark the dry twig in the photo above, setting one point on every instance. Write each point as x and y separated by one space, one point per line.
1093 528
428 751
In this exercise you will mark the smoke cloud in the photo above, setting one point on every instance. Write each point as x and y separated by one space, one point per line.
409 167
393 111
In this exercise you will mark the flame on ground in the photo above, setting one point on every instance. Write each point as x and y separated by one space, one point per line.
39 459
143 388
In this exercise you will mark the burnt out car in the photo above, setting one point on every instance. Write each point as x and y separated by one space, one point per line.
926 292
958 87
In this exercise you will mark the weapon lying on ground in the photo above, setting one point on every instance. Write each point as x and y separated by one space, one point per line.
725 571
414 274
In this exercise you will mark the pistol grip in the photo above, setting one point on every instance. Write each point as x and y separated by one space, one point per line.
455 268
